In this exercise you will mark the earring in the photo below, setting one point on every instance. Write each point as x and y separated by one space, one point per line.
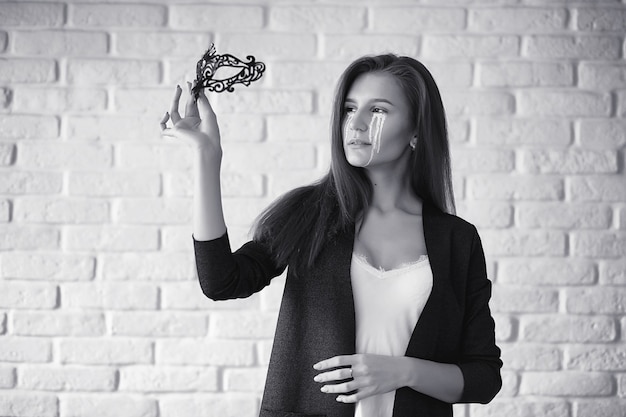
412 144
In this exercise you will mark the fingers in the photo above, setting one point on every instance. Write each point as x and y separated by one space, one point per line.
191 109
341 388
336 375
207 115
164 120
174 108
335 362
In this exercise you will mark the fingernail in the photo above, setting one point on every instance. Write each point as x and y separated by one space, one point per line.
317 378
324 389
316 366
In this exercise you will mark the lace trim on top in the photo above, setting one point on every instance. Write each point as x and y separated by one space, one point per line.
363 259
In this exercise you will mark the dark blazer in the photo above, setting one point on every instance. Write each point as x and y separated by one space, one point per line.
317 321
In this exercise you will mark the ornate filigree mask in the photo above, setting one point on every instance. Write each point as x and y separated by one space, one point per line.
207 66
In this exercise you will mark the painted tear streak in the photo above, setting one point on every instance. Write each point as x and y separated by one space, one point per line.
375 133
346 126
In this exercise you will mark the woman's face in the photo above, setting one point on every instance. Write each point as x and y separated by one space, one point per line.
377 126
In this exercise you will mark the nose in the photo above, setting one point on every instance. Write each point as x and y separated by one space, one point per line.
356 121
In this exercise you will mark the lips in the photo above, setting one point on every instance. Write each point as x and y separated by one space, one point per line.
358 142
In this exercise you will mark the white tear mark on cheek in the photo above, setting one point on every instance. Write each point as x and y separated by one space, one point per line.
346 126
375 133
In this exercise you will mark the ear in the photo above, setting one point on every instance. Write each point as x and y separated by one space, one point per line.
413 142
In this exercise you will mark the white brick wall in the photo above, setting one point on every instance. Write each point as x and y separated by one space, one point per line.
100 313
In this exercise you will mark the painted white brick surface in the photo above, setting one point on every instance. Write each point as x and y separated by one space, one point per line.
101 313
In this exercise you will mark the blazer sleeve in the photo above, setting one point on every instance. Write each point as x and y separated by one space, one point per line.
225 275
480 361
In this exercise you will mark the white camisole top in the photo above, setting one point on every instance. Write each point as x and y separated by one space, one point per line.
387 305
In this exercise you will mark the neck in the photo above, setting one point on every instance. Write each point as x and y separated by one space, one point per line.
391 186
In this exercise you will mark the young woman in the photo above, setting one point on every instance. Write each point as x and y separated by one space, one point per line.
385 308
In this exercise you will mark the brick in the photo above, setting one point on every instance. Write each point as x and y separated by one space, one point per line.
517 20
267 157
267 102
152 211
234 184
514 187
310 74
99 351
161 324
270 46
55 378
22 127
417 20
531 357
7 154
138 101
271 297
54 210
451 74
564 216
113 405
538 103
117 128
242 212
14 237
613 272
143 378
349 47
522 407
58 324
601 77
514 132
22 295
565 384
5 211
457 46
176 238
209 405
482 160
242 127
189 296
317 19
217 17
146 157
264 350
596 300
32 14
205 352
111 238
118 15
6 97
478 103
486 214
295 128
523 242
598 244
601 19
509 299
60 43
28 404
25 349
242 325
596 358
580 47
58 100
596 188
245 380
64 155
158 44
114 183
49 266
525 74
596 407
567 329
24 70
4 41
110 296
540 272
510 383
112 72
602 133
148 266
621 103
7 377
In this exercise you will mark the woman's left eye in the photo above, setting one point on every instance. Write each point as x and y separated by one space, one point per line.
378 110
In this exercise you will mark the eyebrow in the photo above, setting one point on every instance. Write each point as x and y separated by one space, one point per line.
374 100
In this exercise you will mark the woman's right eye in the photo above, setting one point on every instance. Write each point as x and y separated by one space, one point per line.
349 109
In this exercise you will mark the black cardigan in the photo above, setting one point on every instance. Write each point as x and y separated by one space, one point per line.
317 321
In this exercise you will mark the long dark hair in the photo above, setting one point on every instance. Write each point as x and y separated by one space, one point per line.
297 225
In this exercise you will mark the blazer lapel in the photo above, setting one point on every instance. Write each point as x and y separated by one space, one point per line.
423 340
